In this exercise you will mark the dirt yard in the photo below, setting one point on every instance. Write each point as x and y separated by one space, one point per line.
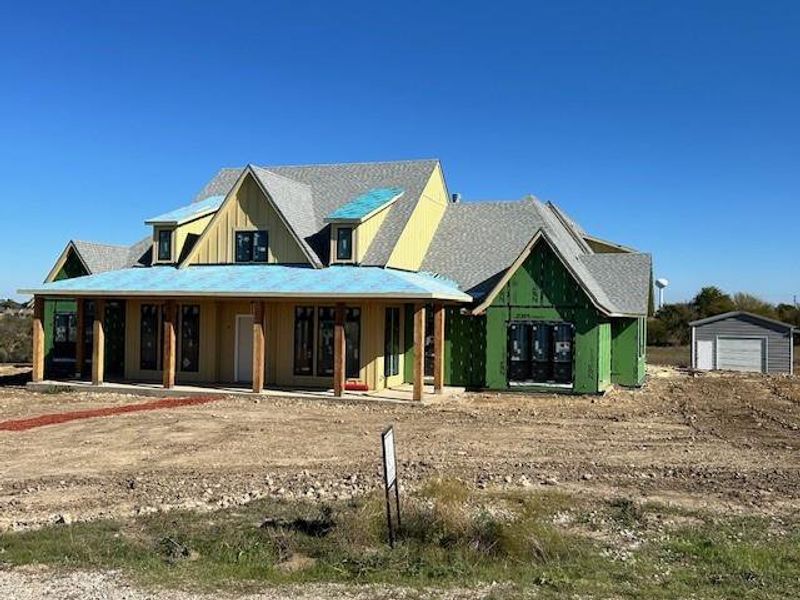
720 442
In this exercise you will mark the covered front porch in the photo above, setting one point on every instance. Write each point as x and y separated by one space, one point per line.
336 342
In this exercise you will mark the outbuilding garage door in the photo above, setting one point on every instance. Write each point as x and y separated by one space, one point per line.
740 354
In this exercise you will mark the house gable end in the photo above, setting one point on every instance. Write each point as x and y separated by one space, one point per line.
247 207
542 280
69 264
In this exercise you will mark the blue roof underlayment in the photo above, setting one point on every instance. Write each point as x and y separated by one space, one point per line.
258 281
365 204
187 213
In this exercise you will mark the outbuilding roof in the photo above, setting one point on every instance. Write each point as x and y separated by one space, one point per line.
741 313
261 281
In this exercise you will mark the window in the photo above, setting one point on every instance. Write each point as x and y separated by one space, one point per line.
326 316
251 246
344 243
149 337
165 244
352 334
190 338
304 351
391 344
303 340
540 352
65 334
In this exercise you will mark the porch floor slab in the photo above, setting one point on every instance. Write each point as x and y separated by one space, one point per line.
401 394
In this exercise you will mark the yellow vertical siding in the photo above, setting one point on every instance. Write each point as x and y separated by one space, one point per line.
366 232
363 235
248 210
418 232
179 237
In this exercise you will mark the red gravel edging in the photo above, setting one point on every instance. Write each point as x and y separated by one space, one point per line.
56 418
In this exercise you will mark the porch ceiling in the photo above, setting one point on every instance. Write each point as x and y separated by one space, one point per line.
258 281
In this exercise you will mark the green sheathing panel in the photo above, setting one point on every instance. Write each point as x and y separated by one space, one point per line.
73 267
627 367
543 289
464 349
641 363
604 356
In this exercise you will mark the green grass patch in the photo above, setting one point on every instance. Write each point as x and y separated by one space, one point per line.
450 536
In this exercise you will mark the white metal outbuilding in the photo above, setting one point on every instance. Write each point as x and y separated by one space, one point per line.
742 341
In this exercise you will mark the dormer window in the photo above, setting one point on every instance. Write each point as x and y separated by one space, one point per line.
344 243
251 246
164 253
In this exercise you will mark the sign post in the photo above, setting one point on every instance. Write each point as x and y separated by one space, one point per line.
390 478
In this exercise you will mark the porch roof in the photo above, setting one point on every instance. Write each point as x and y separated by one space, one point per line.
259 281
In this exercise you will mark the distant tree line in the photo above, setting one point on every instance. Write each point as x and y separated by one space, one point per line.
670 325
15 338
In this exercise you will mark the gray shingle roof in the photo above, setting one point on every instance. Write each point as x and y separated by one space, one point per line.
295 203
102 257
99 258
625 278
476 242
306 194
334 185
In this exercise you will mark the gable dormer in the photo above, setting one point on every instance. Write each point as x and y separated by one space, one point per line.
176 232
264 218
354 225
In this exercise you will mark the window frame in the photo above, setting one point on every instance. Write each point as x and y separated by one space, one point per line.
252 234
353 318
310 311
65 350
351 231
171 234
183 339
392 341
159 325
318 328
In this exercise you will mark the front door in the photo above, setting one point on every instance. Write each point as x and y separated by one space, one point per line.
244 348
705 355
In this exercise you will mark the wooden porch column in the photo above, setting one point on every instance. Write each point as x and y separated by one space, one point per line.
258 346
80 318
419 351
98 342
168 351
339 349
38 339
438 348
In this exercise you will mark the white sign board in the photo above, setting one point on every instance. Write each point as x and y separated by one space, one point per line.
389 467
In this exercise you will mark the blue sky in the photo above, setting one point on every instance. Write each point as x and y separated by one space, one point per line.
673 127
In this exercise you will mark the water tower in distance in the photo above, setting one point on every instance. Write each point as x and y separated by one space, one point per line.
661 283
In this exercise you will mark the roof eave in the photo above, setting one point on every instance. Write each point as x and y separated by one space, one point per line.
239 294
